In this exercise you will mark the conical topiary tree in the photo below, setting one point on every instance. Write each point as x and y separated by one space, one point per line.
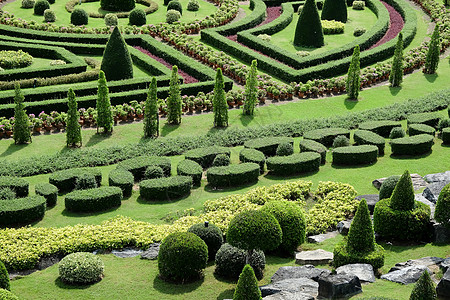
335 10
219 102
434 48
442 213
361 237
353 76
424 288
104 118
403 195
117 63
4 277
251 90
151 120
308 32
22 133
396 75
73 128
247 286
174 99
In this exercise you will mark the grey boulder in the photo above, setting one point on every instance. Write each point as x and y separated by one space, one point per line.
316 257
319 238
126 252
441 234
432 191
445 265
371 200
443 287
308 271
364 272
151 252
295 285
437 177
343 227
289 296
339 286
406 275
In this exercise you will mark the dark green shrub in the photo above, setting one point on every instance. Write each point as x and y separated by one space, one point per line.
48 191
443 123
326 136
431 119
424 288
190 168
221 160
353 81
7 295
165 188
413 145
267 145
81 268
416 129
211 235
355 155
253 156
116 62
28 3
21 126
247 286
334 10
358 5
388 186
205 156
49 15
22 211
382 128
365 137
230 261
85 182
65 180
402 197
442 213
138 165
4 277
94 200
79 17
137 17
233 175
285 149
359 31
313 146
40 6
446 136
308 32
297 163
193 5
397 132
117 5
176 5
153 172
19 185
122 179
111 20
172 16
182 257
292 222
7 193
341 141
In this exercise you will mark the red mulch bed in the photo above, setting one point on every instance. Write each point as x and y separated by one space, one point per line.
396 24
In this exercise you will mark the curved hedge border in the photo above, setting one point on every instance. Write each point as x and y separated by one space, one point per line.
22 211
205 156
416 129
190 168
313 146
412 145
122 179
294 164
446 136
326 136
66 180
365 137
248 155
19 185
48 191
94 200
382 128
151 7
138 165
233 175
355 155
430 119
165 188
267 145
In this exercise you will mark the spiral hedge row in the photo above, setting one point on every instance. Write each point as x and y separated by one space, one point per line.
94 200
165 188
138 165
66 180
355 155
412 145
233 175
297 163
22 211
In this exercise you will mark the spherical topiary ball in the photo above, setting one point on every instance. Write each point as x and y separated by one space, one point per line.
28 3
193 5
182 257
176 5
137 17
153 172
442 213
211 235
7 295
40 6
388 186
285 149
4 277
397 132
81 268
49 16
111 20
341 141
172 16
79 17
221 160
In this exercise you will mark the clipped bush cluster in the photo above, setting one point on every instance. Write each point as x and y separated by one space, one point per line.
7 295
81 268
211 235
355 155
285 149
19 185
382 128
175 5
359 31
416 129
358 5
267 145
446 136
117 5
334 10
153 172
297 163
205 156
138 165
165 188
117 65
66 180
233 175
48 191
413 145
397 132
7 193
111 20
49 15
442 213
313 146
193 5
28 3
326 136
332 27
15 59
40 6
93 200
443 123
431 119
172 16
122 179
341 141
137 17
22 211
221 160
85 182
253 156
365 137
79 17
190 168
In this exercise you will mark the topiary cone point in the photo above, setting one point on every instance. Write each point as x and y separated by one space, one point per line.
361 237
403 195
117 63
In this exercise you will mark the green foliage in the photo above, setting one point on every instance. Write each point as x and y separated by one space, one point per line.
396 74
117 5
221 160
326 136
138 165
190 168
15 60
313 146
332 27
434 48
48 191
172 16
446 136
4 277
359 31
247 286
341 141
334 10
353 76
412 145
361 237
285 149
355 155
397 132
365 137
253 156
251 90
211 235
424 288
22 133
116 62
49 15
66 180
81 268
358 5
182 257
104 119
151 119
123 179
85 181
232 175
388 186
205 156
111 20
94 200
383 127
403 195
19 185
416 129
294 164
138 17
28 3
220 106
165 188
431 119
443 123
343 257
174 99
308 32
153 172
40 6
193 5
442 213
73 128
79 17
22 211
7 193
175 5
7 295
267 145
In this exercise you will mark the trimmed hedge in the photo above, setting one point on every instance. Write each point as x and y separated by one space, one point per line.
446 136
416 129
190 168
365 137
294 164
413 145
122 179
22 211
19 185
81 268
430 119
267 145
248 155
343 257
382 128
233 175
138 165
48 191
355 155
313 146
166 188
66 180
205 156
326 136
94 200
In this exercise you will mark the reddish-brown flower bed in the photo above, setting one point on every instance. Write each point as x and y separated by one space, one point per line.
396 24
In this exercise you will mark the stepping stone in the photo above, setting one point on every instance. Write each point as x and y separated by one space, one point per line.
152 252
432 191
315 239
126 252
308 271
406 275
289 296
443 287
316 257
364 272
371 200
424 261
417 180
424 200
295 285
339 286
437 177
343 227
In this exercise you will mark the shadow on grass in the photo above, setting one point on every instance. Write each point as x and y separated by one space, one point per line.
166 129
140 200
210 189
227 294
431 77
97 138
444 145
395 90
246 120
284 177
405 157
350 104
12 148
339 167
70 214
174 288
59 283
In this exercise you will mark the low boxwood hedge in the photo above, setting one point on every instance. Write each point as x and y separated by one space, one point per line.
190 168
267 145
254 156
416 129
19 185
22 211
382 128
365 137
313 146
430 119
205 156
122 179
138 165
166 188
343 257
294 164
326 136
93 200
446 136
48 191
355 155
66 180
412 145
233 175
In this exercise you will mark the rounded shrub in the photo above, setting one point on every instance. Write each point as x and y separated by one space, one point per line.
232 175
93 200
122 179
182 257
388 186
412 145
424 289
358 5
7 193
193 5
165 188
355 155
48 191
230 261
66 180
138 165
326 136
416 129
211 235
221 160
446 136
51 1
341 256
297 163
28 3
85 181
111 20
397 132
205 156
313 146
267 145
341 141
253 156
117 5
285 149
22 211
49 16
137 17
172 16
442 213
175 5
79 17
81 268
359 31
4 277
19 185
365 137
40 6
190 168
382 128
153 172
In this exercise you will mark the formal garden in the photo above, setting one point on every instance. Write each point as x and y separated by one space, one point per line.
224 149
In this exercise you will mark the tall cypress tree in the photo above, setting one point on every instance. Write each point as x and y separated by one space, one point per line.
151 120
73 128
247 286
335 10
396 76
22 133
117 63
219 102
434 48
251 90
353 76
174 99
105 118
308 32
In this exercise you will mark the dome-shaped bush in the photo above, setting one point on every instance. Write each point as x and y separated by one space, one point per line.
137 17
182 256
111 20
4 277
175 5
285 149
49 15
193 5
397 132
442 213
40 6
117 5
172 16
7 295
7 193
211 235
153 172
341 141
81 268
388 186
424 289
79 17
28 3
221 160
230 261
